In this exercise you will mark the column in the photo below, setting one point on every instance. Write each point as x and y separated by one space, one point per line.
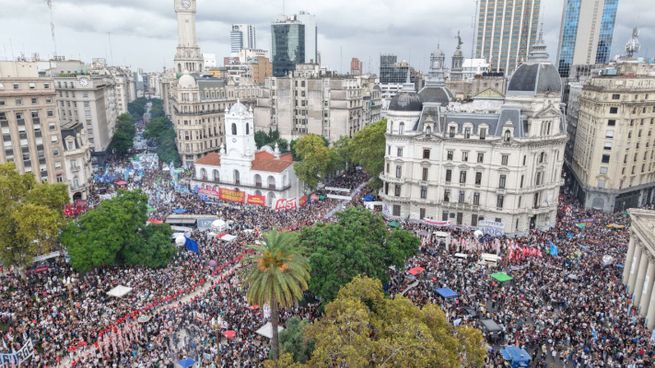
634 267
648 288
628 261
650 316
641 275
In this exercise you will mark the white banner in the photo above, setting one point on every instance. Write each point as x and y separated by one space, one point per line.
16 358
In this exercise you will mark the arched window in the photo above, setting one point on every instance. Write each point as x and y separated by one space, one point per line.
203 174
216 175
271 182
247 128
258 181
234 129
542 157
428 130
237 179
401 128
508 135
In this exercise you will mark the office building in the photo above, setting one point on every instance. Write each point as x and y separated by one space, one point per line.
288 45
30 123
242 37
477 163
586 33
505 32
311 37
310 101
188 55
613 158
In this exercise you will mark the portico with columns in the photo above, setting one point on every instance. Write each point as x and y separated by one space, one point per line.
639 265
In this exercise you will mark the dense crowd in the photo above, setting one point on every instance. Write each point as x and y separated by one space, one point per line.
568 309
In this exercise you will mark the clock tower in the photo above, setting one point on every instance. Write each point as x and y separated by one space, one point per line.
239 133
188 56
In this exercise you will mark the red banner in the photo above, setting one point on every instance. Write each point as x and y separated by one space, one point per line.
286 204
232 195
257 200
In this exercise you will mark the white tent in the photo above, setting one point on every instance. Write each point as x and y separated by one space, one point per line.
267 330
119 291
219 225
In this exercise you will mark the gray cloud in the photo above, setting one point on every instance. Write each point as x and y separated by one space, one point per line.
143 32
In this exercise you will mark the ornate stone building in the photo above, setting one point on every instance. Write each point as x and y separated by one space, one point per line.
639 266
489 160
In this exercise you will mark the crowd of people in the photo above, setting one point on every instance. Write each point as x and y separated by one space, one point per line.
567 308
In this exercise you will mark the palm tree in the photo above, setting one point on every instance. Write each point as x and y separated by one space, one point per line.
278 276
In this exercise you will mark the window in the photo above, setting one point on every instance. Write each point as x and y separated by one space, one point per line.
462 177
606 159
401 128
522 177
476 199
616 97
425 174
426 154
399 152
614 110
483 133
500 200
449 175
449 155
474 220
465 156
444 216
611 123
460 218
539 178
389 150
451 131
421 212
524 159
234 129
478 178
502 181
396 190
388 168
399 171
607 146
507 136
16 86
396 210
480 157
446 195
467 133
34 101
424 192
460 198
504 159
542 157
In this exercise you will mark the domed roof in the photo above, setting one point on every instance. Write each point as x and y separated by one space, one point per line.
238 108
435 94
186 81
406 101
537 76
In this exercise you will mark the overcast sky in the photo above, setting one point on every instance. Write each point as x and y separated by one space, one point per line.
143 32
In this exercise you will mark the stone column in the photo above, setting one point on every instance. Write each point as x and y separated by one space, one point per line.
648 288
628 261
641 275
634 267
650 316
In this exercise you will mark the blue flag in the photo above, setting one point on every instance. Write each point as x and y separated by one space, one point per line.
191 245
553 249
594 333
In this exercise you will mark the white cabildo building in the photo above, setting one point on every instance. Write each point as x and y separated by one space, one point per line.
241 173
492 162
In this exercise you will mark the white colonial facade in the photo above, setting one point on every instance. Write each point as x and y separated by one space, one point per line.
266 174
489 160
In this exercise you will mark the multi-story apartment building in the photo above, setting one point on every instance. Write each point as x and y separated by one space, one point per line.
586 33
77 155
90 100
495 161
312 102
505 32
29 122
613 160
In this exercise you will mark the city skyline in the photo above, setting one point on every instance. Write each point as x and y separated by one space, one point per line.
143 34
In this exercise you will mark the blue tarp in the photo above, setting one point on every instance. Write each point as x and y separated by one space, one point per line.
516 356
186 362
191 245
179 211
446 293
369 198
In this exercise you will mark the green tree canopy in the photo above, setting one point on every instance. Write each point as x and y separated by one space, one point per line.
359 243
162 132
277 276
31 217
115 233
137 107
123 138
367 148
293 341
362 328
315 159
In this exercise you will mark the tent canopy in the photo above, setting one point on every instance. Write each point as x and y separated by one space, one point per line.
394 224
501 277
446 293
119 291
179 211
416 270
186 362
519 357
490 326
267 330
